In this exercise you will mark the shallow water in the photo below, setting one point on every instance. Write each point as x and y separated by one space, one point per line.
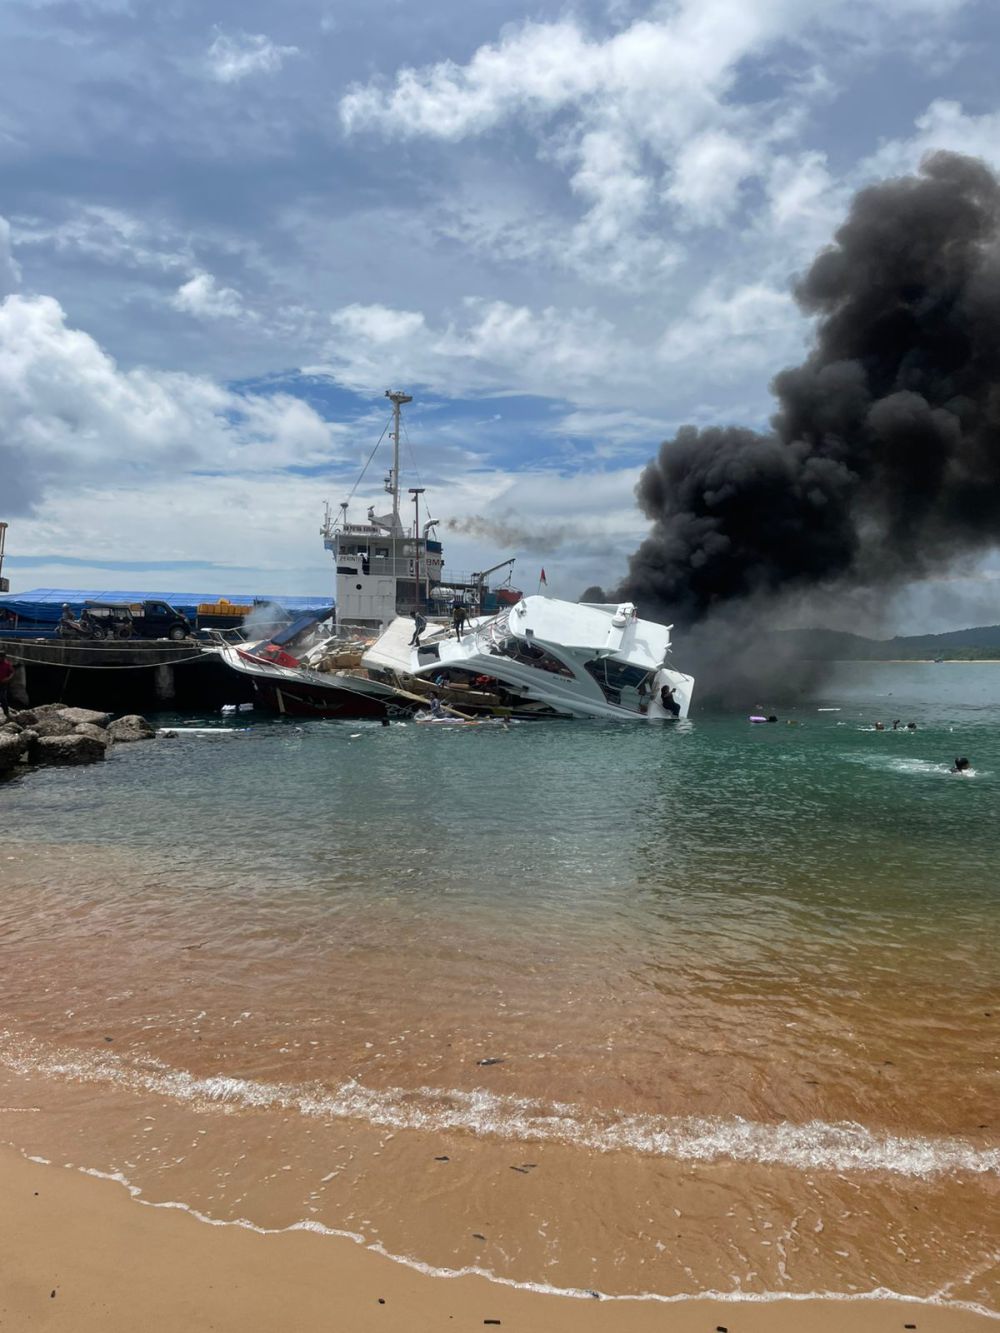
639 1009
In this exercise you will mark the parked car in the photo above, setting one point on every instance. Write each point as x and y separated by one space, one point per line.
135 620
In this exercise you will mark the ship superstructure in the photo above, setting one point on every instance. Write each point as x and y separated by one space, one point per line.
383 570
386 568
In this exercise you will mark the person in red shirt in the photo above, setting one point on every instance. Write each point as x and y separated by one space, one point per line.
6 671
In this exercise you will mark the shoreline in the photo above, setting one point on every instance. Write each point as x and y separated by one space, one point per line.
81 1252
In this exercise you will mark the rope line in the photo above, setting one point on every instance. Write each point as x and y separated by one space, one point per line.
416 470
107 666
103 645
367 464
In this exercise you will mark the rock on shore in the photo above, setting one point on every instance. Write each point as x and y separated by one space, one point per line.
131 728
65 750
52 734
12 747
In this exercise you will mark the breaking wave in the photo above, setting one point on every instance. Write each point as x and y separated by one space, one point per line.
814 1145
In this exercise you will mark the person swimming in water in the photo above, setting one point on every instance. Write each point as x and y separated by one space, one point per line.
961 766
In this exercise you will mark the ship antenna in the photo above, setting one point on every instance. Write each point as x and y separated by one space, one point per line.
397 399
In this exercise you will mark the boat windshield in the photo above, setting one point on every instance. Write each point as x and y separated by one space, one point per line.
622 684
497 638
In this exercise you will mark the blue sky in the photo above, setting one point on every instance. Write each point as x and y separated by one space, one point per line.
565 229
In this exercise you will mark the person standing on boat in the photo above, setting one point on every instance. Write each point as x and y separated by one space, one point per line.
458 618
419 625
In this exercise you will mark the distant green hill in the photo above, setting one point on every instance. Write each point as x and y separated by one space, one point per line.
983 641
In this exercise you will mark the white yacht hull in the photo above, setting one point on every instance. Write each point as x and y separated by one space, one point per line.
577 660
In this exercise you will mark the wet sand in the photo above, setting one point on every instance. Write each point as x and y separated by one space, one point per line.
505 1101
80 1254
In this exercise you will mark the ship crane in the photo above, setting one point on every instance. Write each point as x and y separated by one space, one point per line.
479 579
484 574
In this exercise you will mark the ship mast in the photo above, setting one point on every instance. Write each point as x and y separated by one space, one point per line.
397 399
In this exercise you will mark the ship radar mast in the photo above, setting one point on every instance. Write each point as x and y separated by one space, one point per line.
392 481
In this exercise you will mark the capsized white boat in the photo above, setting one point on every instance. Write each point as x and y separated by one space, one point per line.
579 659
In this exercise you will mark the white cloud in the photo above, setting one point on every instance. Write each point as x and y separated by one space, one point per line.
10 273
542 65
707 173
754 325
614 113
485 345
202 297
644 121
108 236
377 324
148 465
801 196
230 59
68 411
943 125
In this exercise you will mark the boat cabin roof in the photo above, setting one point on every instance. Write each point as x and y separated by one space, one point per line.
591 627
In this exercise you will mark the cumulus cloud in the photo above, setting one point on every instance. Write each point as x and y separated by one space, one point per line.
707 173
645 122
232 58
943 125
635 119
377 324
69 413
202 297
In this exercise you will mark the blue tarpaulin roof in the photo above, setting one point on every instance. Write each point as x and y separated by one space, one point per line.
42 607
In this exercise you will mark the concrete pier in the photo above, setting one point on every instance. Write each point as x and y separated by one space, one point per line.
163 682
122 675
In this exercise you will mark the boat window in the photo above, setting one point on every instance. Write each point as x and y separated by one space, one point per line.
620 681
530 654
381 553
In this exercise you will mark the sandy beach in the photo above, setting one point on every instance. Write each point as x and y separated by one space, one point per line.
80 1254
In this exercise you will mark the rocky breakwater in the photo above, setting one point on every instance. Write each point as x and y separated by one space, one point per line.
54 734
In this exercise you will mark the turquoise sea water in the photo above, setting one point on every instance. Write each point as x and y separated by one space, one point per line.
769 945
577 816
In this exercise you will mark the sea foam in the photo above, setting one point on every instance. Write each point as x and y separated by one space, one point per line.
813 1145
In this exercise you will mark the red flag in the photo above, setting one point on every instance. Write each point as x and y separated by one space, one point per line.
543 579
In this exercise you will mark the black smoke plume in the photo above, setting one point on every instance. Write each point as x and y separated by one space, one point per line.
883 461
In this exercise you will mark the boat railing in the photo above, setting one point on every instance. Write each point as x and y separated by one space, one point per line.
494 632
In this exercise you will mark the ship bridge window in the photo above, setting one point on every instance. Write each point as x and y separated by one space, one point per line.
381 553
619 681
